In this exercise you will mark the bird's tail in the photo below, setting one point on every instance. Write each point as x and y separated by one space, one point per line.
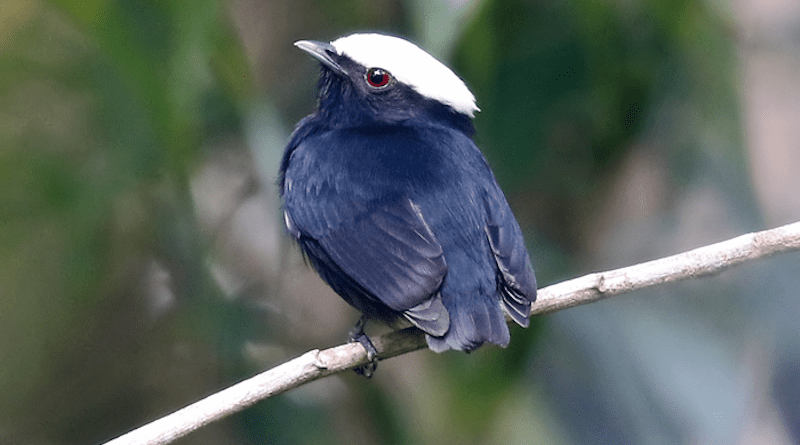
473 321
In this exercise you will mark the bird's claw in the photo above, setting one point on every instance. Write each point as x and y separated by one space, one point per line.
357 335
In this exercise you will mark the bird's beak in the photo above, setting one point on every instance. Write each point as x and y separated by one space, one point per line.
323 52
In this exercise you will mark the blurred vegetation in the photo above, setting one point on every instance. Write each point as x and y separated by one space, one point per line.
143 264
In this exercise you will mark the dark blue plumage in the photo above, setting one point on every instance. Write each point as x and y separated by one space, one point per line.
395 206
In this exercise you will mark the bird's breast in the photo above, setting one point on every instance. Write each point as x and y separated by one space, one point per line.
382 159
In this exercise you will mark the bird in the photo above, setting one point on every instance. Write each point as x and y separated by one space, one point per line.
394 205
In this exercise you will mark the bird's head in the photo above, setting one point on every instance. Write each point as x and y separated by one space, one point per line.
375 78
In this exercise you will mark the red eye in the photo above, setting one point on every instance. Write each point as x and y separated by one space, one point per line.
378 78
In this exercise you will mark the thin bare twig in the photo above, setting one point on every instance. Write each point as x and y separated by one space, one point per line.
317 364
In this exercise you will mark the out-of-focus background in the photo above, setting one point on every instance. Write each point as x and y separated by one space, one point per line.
143 262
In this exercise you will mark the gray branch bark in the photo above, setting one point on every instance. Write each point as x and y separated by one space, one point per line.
317 364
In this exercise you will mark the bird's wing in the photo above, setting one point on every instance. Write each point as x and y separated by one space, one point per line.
518 283
388 250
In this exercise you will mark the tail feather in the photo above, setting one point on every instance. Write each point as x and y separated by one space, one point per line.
472 322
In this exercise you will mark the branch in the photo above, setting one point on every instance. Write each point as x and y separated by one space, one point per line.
317 364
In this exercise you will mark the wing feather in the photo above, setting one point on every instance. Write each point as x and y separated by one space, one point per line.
391 252
516 280
388 253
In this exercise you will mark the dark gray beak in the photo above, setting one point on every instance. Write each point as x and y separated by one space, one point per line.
321 51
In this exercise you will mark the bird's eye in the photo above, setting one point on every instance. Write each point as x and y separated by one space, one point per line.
378 78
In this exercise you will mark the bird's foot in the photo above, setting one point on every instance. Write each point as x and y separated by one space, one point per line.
357 335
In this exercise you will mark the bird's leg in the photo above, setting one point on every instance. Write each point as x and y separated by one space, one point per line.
357 335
